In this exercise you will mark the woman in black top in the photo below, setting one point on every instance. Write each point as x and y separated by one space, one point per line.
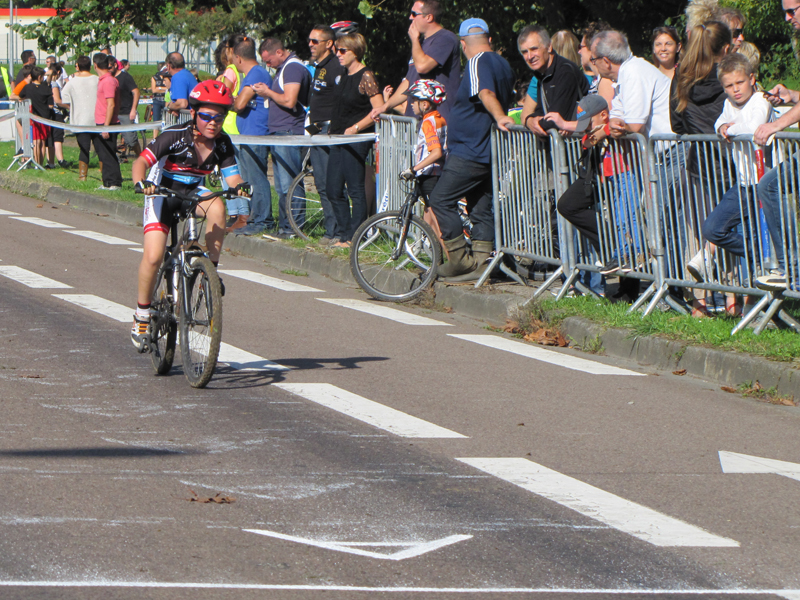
355 96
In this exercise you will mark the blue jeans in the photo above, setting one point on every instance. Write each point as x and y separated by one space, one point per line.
626 202
724 225
319 163
772 202
238 205
253 167
287 162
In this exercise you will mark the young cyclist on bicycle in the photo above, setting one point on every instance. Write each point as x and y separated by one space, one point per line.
179 159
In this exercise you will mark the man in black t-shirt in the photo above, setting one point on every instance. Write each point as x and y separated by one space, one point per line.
28 58
128 106
327 73
40 94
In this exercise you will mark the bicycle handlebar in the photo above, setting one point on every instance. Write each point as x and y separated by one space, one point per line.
196 199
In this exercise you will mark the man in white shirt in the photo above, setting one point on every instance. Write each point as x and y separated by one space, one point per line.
641 91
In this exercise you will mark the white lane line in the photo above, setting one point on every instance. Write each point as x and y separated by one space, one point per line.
118 312
7 213
634 519
137 250
279 284
43 222
241 360
367 411
627 591
549 356
102 237
31 279
379 310
236 358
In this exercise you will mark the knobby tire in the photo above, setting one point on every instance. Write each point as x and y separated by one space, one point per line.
201 327
163 327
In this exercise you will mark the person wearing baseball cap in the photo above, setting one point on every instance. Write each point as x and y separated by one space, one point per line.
588 108
482 100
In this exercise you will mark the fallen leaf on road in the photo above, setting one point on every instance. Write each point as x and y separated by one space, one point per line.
511 327
39 205
729 389
33 376
218 499
679 372
547 337
54 207
102 214
520 424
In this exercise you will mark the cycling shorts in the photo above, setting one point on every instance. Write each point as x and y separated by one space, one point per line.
160 212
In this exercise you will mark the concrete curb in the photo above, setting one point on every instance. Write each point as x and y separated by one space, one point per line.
725 368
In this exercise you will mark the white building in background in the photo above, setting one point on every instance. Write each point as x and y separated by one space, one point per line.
142 49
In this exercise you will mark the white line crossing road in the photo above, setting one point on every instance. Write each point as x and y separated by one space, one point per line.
624 515
560 359
7 213
102 237
31 279
367 411
279 284
235 357
385 312
43 223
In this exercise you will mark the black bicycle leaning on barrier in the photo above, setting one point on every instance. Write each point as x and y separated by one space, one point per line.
394 255
187 295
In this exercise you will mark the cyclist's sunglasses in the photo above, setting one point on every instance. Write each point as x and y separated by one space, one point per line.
208 117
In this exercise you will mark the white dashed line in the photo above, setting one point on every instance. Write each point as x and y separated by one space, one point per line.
241 360
31 279
137 250
7 213
43 223
102 237
274 282
560 359
112 310
385 312
367 411
624 515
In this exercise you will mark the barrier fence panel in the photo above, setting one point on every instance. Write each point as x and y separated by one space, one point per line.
169 118
397 139
625 213
702 176
526 226
23 115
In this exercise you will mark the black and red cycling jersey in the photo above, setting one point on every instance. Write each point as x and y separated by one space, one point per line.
173 160
173 163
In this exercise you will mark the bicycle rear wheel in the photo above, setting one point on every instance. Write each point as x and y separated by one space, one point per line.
200 321
303 206
163 327
394 279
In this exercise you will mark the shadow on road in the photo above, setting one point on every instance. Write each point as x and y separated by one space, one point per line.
101 452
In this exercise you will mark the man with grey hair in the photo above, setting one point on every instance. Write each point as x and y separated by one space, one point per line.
641 91
561 83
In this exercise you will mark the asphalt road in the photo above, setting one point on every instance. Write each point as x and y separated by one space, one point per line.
375 458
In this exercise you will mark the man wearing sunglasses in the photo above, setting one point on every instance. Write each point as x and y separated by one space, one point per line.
328 72
435 54
734 19
288 98
179 159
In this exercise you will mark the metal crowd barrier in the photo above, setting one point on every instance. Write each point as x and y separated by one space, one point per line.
625 212
23 115
167 118
397 139
526 225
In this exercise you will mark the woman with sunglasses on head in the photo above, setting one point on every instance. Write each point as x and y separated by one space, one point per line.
356 94
179 159
666 49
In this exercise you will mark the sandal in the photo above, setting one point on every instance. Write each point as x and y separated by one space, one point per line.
341 245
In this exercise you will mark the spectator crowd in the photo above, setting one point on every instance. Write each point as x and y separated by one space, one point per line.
702 80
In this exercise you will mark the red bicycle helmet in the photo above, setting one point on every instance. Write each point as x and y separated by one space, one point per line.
211 92
341 28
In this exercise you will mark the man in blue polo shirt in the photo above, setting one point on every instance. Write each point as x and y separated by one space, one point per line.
253 119
183 82
288 97
483 99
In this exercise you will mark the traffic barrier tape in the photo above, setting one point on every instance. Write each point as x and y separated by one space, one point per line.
97 128
7 117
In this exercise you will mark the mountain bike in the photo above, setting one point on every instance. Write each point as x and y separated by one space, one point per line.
187 296
303 207
394 255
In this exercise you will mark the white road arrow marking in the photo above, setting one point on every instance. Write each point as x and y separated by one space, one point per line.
410 549
629 517
733 462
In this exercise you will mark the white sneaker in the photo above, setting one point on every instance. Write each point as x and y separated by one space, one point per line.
700 266
776 279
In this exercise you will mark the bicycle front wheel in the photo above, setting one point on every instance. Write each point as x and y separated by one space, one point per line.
388 271
163 327
200 321
303 206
